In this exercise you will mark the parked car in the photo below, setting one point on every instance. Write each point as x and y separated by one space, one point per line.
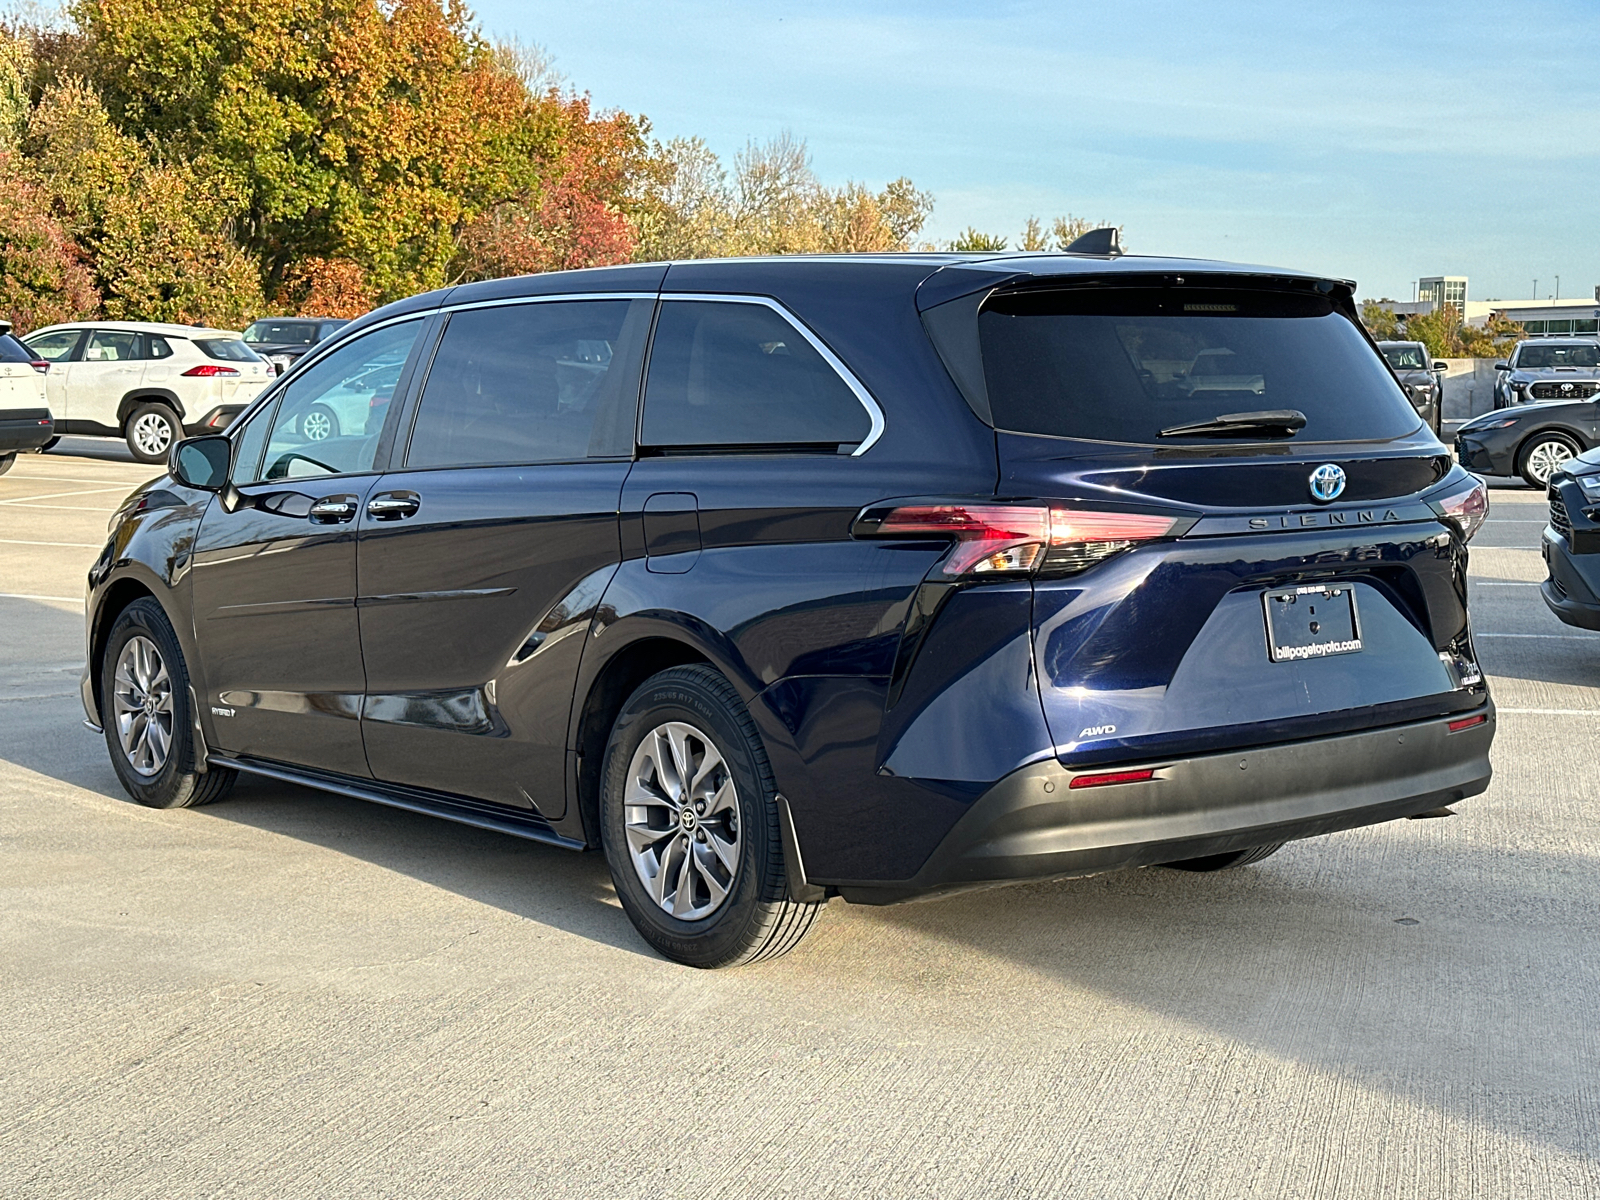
25 422
1422 379
149 383
1571 542
1544 369
1532 440
283 340
889 576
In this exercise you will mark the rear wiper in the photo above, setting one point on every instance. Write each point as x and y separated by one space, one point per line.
1273 422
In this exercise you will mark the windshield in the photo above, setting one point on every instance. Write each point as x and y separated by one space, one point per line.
1545 357
1122 364
282 333
1406 358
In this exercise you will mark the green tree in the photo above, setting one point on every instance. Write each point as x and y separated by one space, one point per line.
1380 320
971 241
1443 333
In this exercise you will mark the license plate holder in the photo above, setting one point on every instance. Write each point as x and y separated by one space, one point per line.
1311 621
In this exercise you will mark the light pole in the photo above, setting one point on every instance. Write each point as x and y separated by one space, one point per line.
1558 287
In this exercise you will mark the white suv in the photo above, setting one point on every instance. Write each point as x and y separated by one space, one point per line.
146 382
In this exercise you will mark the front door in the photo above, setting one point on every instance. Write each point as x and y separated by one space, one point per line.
483 556
274 575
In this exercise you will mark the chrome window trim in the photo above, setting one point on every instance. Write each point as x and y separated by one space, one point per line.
554 296
874 413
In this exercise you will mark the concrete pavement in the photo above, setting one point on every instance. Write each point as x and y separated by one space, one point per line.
290 994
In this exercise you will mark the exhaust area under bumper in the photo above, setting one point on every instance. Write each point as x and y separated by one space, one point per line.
1034 824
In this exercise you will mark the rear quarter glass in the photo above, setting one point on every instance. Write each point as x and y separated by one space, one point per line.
1122 364
226 349
14 351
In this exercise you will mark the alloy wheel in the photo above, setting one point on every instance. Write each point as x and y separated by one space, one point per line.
1546 458
681 814
152 433
142 705
316 426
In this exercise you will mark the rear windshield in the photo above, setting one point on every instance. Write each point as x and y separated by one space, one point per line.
226 349
13 351
282 333
1406 358
1545 357
1122 364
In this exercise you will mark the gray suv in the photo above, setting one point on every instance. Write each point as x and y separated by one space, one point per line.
1422 379
1549 369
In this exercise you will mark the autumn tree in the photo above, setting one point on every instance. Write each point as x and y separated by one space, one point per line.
43 278
1378 316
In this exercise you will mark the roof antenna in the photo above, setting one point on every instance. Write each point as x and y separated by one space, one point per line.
1102 242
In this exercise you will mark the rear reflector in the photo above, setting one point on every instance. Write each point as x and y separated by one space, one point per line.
1083 781
1468 722
1018 538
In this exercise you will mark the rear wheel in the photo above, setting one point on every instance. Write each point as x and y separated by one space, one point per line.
151 430
144 703
1226 862
7 461
319 424
1544 455
689 822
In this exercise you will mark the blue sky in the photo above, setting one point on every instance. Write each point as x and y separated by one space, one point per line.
1375 141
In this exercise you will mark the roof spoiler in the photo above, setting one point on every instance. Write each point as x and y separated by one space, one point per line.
1102 242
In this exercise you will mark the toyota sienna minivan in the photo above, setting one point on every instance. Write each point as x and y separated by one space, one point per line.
782 579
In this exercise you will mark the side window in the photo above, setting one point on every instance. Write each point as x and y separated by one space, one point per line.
112 345
328 420
55 347
553 381
728 374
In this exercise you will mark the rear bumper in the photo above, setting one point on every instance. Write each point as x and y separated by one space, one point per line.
215 420
1034 825
25 430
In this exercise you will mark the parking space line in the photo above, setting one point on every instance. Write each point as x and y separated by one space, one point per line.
78 600
1559 637
1501 583
22 500
1550 712
69 545
62 479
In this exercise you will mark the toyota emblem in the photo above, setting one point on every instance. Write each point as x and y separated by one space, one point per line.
1327 482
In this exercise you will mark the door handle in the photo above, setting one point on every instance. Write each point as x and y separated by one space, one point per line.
392 506
332 510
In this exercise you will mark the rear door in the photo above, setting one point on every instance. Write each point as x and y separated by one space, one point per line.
112 366
482 556
58 348
1225 623
274 575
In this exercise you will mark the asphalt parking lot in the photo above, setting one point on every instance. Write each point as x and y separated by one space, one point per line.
294 994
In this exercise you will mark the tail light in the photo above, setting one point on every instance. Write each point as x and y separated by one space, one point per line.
208 371
1015 539
1466 506
41 366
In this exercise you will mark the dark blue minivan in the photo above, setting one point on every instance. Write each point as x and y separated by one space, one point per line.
783 579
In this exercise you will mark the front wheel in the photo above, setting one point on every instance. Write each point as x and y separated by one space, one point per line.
1544 455
144 704
151 431
689 822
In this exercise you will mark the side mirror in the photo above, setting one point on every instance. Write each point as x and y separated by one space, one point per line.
1440 365
1502 366
202 462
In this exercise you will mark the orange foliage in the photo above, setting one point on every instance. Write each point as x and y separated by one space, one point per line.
326 287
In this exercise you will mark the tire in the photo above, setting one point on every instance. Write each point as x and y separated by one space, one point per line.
1226 862
1543 455
151 431
7 461
692 713
319 423
158 780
